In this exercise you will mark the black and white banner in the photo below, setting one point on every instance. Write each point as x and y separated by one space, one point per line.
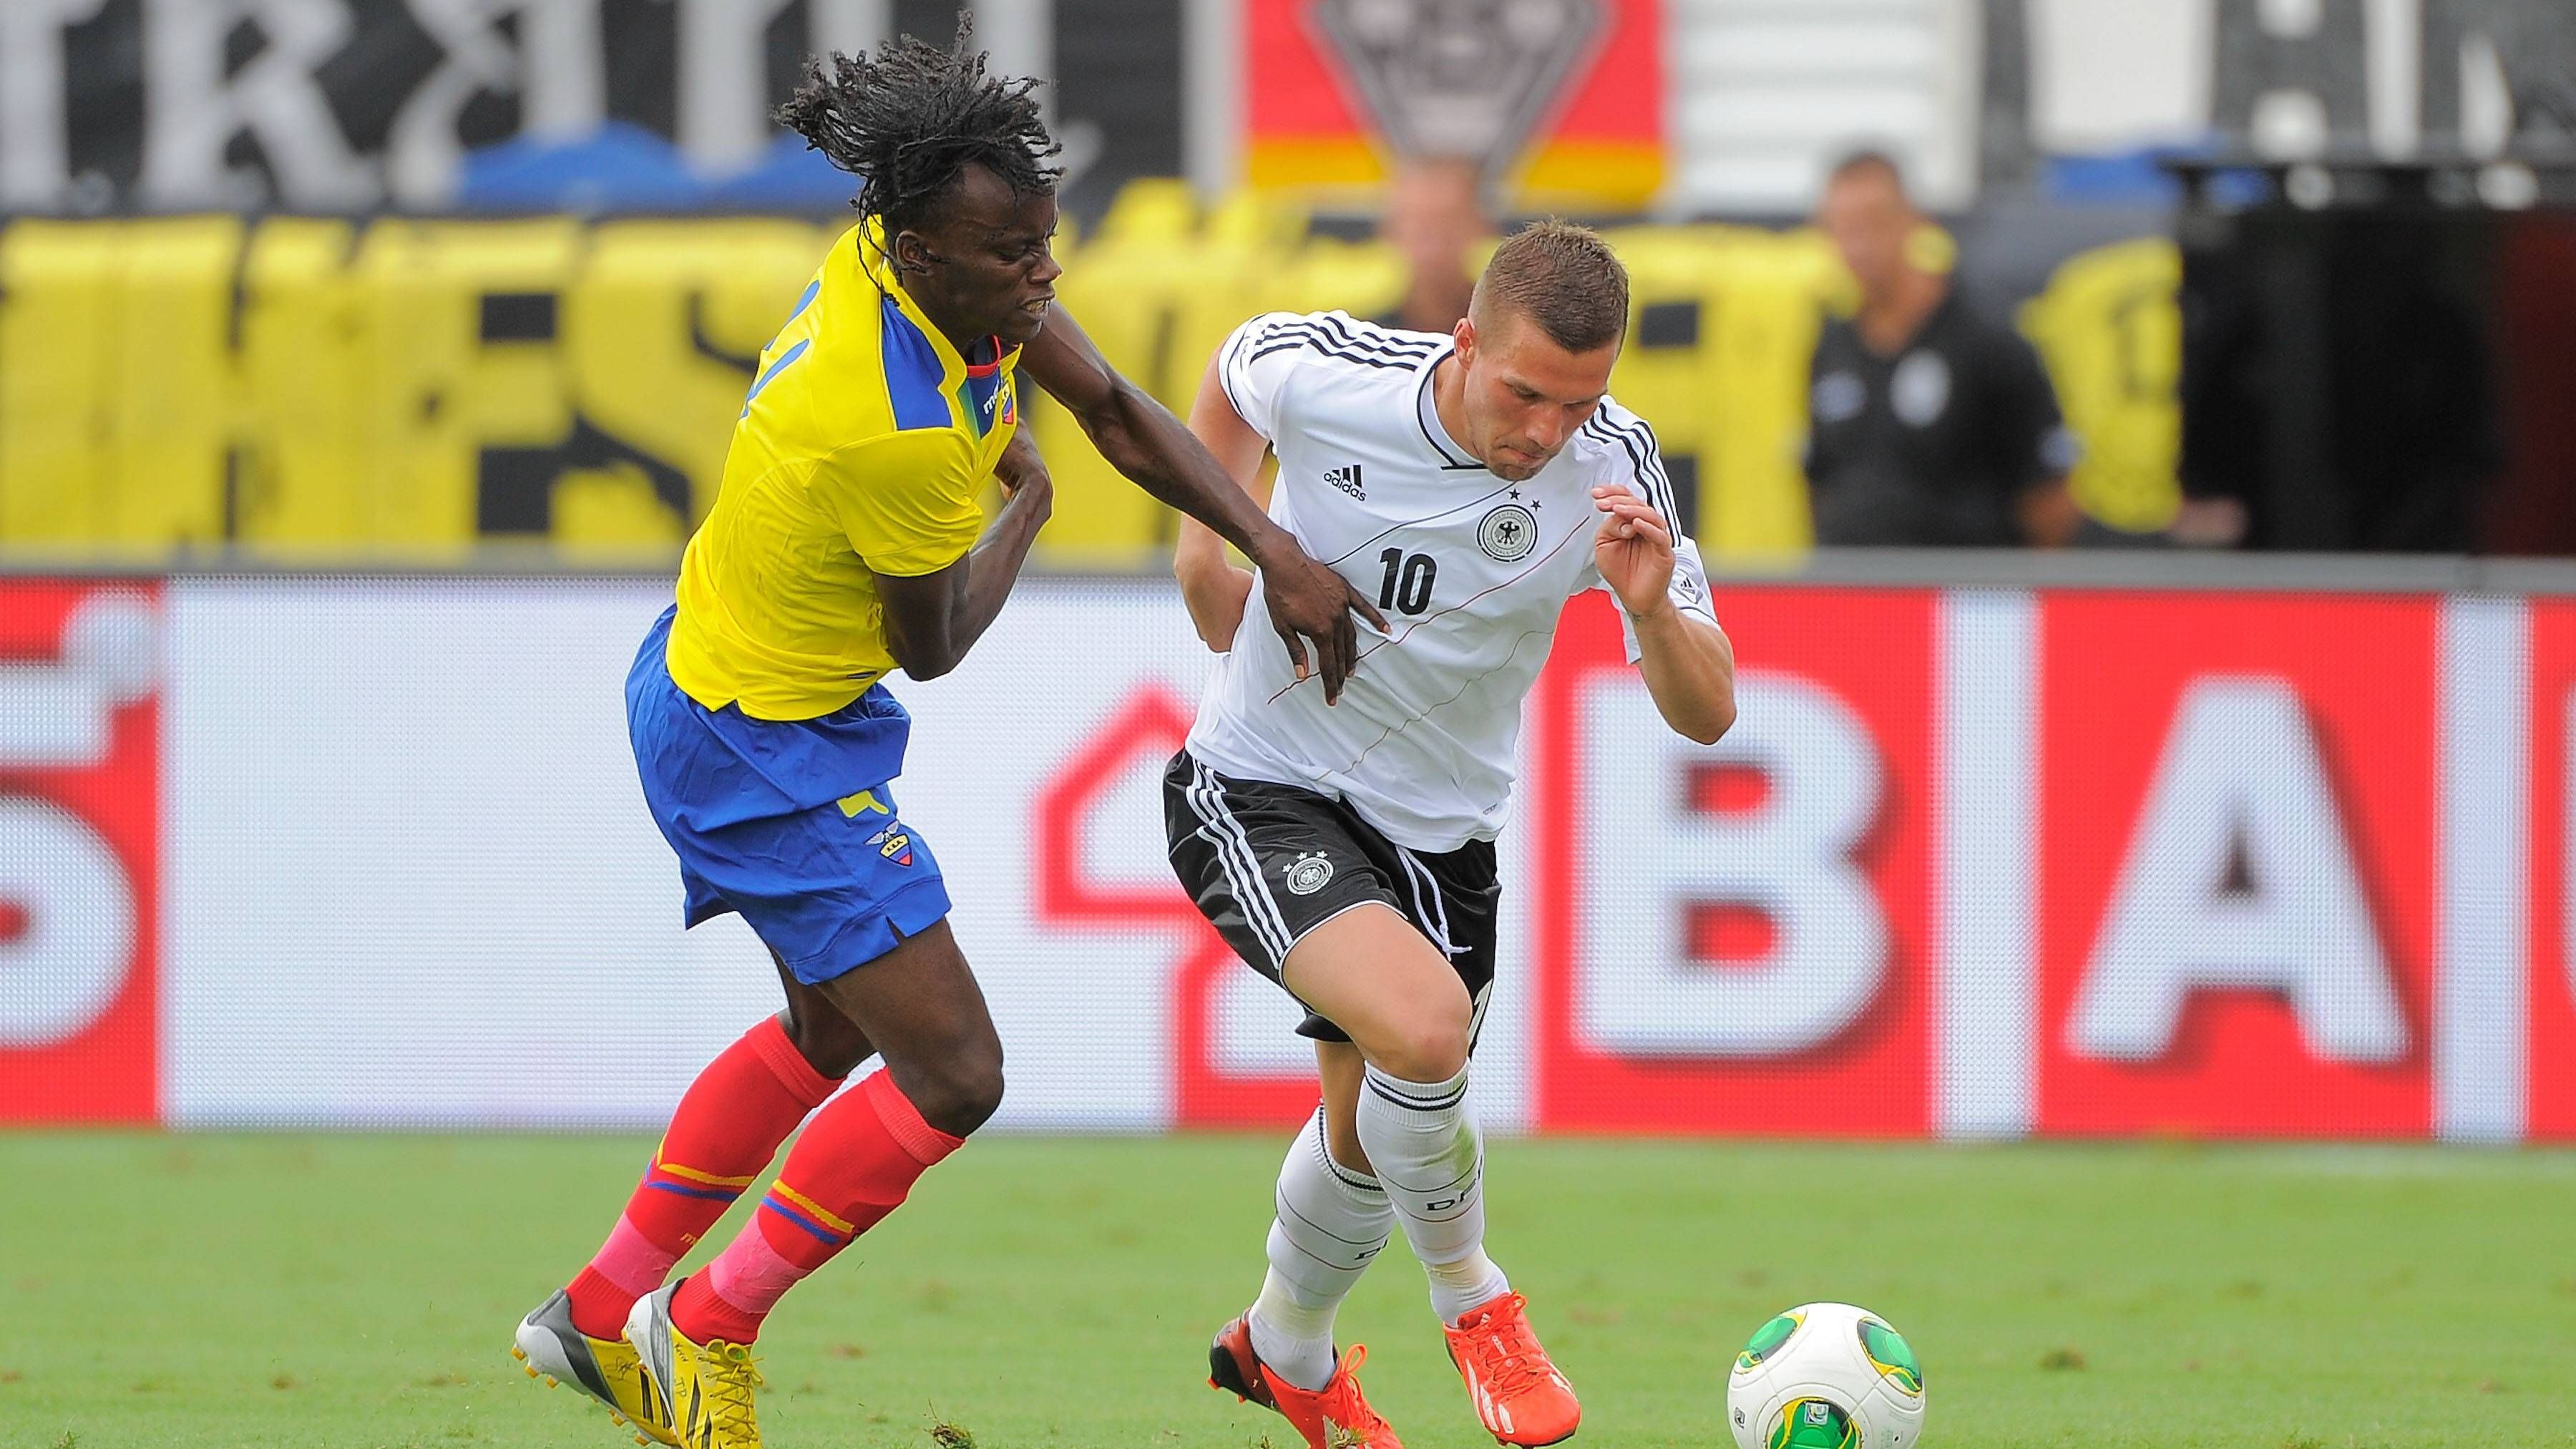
352 105
662 105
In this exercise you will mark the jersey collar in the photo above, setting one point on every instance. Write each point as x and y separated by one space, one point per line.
1427 415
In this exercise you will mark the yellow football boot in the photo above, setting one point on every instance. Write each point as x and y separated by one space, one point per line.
708 1385
608 1369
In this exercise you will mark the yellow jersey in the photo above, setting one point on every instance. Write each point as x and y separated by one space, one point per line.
860 451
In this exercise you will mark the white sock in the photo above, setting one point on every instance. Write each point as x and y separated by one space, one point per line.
1431 1161
1330 1224
1463 1286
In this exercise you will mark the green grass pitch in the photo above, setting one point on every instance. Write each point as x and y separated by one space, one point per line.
360 1291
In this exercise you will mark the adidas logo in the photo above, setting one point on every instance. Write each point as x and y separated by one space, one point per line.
1347 479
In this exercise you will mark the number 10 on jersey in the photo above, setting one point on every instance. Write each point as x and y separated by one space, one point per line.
1407 585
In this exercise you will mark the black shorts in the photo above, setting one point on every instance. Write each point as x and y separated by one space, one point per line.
1267 863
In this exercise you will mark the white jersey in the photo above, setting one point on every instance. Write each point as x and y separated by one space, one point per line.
1470 571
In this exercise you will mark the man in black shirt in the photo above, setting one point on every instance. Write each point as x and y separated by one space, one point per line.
1929 426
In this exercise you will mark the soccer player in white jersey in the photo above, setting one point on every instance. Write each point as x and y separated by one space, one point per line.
1470 484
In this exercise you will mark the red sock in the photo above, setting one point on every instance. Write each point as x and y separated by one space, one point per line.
728 1126
853 1165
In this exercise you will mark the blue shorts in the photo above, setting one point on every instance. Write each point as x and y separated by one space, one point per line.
788 822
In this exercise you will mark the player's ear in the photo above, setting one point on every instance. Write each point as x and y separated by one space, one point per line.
911 254
1464 334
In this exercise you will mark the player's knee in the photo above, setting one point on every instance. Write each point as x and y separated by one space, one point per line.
1430 1048
960 1094
828 1042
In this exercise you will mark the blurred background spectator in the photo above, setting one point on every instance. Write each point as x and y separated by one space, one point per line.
1435 219
1928 425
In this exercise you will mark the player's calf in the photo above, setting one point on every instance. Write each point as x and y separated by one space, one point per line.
854 1165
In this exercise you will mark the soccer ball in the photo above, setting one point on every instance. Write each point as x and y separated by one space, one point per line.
1826 1376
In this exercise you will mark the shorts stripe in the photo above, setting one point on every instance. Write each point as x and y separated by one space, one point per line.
1212 830
1242 868
1434 917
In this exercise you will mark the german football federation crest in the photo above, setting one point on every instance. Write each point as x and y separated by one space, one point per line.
1462 77
1309 873
1508 533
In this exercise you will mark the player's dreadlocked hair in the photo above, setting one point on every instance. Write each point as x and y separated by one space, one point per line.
910 119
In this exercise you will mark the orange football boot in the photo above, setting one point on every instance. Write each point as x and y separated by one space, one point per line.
1519 1395
1332 1417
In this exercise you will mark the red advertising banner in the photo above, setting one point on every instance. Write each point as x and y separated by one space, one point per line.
1732 939
2552 898
80 847
2237 878
1972 863
2232 889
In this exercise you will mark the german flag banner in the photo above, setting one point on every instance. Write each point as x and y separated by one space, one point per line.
1561 100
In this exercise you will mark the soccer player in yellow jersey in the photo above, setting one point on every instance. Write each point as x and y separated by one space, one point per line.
846 543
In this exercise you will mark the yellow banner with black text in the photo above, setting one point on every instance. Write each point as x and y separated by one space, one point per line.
408 390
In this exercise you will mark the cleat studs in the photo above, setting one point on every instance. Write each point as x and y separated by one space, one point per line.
518 1353
552 1383
528 1369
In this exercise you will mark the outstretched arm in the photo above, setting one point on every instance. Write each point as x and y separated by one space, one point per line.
1211 585
1141 438
931 620
1688 663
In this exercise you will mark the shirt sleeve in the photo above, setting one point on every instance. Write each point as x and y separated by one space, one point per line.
1257 363
906 501
1640 469
1689 593
2032 441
